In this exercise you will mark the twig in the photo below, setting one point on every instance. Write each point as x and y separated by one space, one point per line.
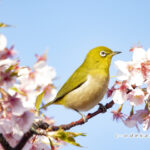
47 127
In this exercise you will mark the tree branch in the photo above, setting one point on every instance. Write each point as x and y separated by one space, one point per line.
4 143
81 121
47 127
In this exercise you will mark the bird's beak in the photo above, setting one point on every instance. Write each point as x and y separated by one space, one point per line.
115 52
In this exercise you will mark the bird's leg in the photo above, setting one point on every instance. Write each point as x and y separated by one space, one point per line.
104 109
82 115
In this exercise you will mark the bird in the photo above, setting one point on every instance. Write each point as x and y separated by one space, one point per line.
87 86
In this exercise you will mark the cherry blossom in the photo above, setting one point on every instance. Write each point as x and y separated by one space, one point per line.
119 95
129 122
146 123
24 121
19 88
140 116
117 115
130 72
133 85
43 73
140 55
136 97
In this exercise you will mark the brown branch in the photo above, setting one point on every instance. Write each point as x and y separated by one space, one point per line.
81 121
4 143
47 127
24 140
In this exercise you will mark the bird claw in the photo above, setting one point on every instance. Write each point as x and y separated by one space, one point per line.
84 118
82 115
102 107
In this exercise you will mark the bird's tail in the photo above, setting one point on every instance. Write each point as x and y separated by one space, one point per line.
46 105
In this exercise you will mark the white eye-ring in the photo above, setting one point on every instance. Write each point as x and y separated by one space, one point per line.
102 53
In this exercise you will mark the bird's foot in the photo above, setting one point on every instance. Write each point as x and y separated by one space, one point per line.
84 118
102 107
82 115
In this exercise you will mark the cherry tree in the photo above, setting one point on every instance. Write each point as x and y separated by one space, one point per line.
23 89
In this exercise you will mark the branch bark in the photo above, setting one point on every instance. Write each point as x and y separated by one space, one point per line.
47 127
4 143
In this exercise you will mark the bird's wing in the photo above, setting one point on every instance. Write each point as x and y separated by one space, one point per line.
78 78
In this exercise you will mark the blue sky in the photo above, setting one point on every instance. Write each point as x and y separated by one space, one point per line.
69 29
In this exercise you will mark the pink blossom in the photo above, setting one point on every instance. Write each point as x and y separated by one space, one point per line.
117 115
17 106
140 115
139 55
6 79
119 95
1 148
29 99
19 89
6 126
136 77
110 91
26 79
6 63
40 143
124 69
130 123
135 71
136 97
7 53
28 146
13 104
24 121
146 123
44 74
12 139
42 57
130 72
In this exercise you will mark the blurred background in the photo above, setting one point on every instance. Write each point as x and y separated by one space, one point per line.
69 29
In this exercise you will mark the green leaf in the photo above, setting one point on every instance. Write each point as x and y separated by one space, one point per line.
18 91
68 137
10 68
51 144
39 100
3 25
14 74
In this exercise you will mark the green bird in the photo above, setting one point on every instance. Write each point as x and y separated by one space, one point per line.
88 84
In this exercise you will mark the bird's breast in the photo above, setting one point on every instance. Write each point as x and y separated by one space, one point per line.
88 94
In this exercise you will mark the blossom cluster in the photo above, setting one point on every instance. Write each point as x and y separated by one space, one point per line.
133 87
19 87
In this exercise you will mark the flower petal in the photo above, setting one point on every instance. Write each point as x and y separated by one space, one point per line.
119 97
139 55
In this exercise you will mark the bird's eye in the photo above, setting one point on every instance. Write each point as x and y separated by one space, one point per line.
102 53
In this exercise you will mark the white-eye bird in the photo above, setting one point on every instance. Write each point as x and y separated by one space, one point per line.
88 84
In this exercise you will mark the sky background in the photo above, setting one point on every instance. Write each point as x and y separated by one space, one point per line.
69 29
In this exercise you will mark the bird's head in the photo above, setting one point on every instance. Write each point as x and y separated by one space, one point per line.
100 56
